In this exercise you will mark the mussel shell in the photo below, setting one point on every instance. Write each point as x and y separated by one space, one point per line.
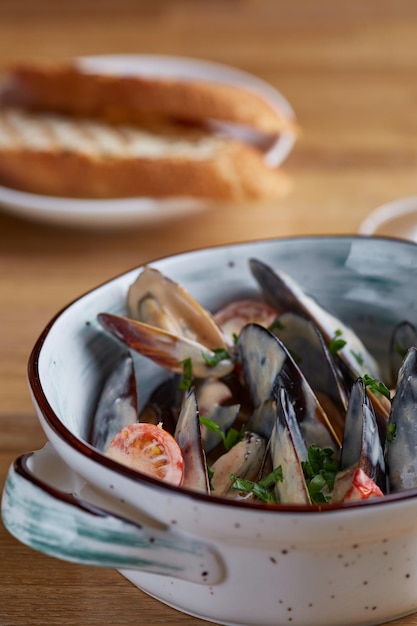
404 336
362 447
164 404
188 436
401 451
282 292
307 346
288 451
164 348
244 460
261 356
224 417
314 424
266 365
117 405
159 301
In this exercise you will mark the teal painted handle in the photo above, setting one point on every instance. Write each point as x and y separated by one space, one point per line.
63 525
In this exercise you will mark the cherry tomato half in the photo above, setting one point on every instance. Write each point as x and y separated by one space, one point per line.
149 449
362 488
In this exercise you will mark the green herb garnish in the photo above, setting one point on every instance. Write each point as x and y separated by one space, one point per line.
210 477
359 358
276 324
231 438
264 489
320 471
376 385
391 431
219 354
187 375
336 343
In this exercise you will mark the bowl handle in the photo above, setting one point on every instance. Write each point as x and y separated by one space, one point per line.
57 522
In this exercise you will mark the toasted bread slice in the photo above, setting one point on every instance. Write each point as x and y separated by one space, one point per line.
80 158
67 89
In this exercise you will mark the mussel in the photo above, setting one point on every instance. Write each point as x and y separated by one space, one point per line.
401 445
281 373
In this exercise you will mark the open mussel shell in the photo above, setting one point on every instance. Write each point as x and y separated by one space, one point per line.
362 446
289 451
401 447
224 417
262 357
163 347
166 324
314 423
159 301
244 460
307 347
188 436
266 365
117 405
353 360
283 293
164 404
404 336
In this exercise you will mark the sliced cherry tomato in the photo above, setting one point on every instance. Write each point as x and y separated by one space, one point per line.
149 449
362 488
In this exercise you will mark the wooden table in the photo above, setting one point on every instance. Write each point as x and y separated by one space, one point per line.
349 69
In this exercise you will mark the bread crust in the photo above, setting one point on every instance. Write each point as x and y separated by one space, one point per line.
221 170
68 133
66 89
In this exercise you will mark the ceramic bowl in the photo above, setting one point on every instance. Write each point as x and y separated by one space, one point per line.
397 218
224 561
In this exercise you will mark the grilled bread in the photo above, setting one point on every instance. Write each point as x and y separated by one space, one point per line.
65 132
67 89
84 158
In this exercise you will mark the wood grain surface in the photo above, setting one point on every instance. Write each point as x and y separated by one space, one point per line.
348 68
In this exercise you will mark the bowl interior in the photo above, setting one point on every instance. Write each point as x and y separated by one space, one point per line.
370 283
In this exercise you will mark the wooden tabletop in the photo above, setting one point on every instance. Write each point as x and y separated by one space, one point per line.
348 68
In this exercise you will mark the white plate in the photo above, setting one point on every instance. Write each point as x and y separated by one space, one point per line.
142 211
395 219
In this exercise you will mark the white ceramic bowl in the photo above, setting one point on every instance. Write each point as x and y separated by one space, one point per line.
224 561
394 219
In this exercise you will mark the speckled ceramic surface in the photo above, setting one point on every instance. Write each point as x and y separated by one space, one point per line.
348 565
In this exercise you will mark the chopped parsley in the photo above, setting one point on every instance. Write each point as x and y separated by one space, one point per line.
359 358
210 476
187 375
219 354
231 438
264 489
391 432
320 471
276 324
336 343
376 385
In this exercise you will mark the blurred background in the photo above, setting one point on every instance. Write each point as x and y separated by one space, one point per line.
349 70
